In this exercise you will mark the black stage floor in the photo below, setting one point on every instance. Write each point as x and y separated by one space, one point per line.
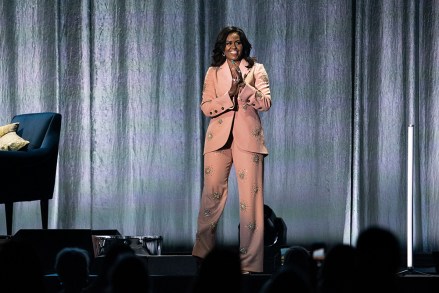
176 274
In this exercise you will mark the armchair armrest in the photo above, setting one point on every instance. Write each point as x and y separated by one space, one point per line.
27 157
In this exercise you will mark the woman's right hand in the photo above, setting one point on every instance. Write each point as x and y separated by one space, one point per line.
237 80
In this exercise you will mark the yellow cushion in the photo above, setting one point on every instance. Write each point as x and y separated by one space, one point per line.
8 128
12 142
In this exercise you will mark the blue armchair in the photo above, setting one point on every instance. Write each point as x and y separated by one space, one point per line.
29 175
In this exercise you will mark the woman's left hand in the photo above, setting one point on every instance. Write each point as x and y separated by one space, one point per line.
236 72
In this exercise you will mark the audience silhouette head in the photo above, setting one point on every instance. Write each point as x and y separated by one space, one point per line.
129 274
378 251
337 272
300 258
378 257
221 263
72 266
101 283
288 279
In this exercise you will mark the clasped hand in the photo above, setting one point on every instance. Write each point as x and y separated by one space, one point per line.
237 80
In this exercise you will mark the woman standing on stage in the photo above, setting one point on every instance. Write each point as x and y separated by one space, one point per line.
236 88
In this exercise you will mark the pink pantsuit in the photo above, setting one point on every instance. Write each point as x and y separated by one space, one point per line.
234 136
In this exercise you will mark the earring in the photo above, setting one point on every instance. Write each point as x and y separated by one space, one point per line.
224 54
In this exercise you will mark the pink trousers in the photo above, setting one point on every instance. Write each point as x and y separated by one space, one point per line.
249 173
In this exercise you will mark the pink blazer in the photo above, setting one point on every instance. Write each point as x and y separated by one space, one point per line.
241 116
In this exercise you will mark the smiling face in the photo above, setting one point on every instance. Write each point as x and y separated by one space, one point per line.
233 49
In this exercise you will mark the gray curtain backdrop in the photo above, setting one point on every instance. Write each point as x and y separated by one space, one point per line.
347 78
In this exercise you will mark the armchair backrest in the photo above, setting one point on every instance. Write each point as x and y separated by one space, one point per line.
40 129
34 169
29 174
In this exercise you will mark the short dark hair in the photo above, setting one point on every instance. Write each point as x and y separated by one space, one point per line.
217 53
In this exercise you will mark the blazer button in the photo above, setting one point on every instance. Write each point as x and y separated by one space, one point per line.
216 111
210 113
222 108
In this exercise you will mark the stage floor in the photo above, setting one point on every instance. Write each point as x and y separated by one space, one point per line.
177 273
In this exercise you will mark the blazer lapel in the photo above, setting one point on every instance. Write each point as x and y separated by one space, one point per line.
243 67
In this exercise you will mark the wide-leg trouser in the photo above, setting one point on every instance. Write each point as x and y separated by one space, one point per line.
249 173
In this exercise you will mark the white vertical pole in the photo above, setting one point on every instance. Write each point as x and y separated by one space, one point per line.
410 198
